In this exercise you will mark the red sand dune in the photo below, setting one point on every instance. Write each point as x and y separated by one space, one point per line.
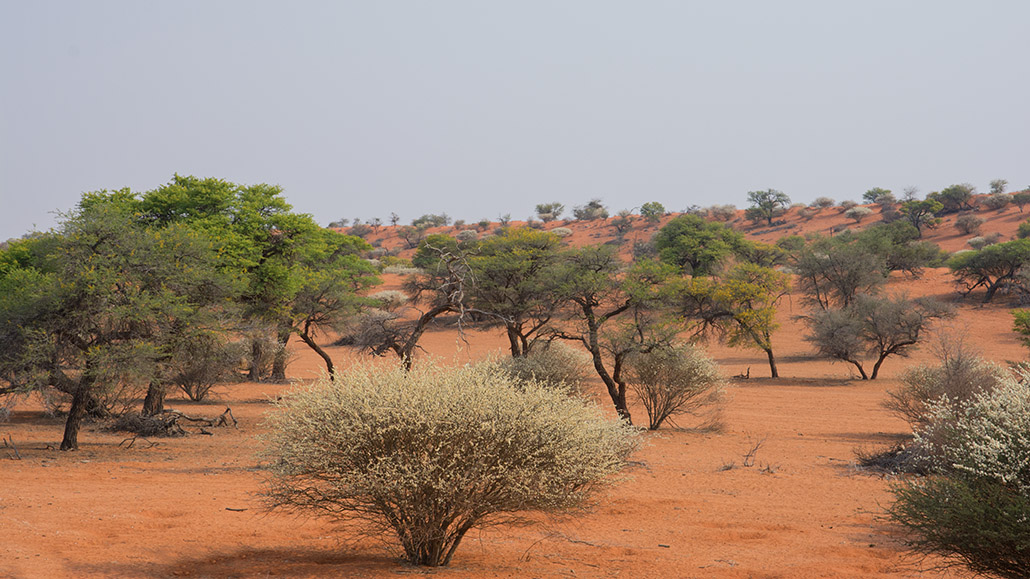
189 506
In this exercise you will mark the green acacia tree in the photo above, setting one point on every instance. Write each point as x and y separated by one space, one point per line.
993 268
740 308
652 211
698 246
514 284
767 205
612 314
104 303
922 214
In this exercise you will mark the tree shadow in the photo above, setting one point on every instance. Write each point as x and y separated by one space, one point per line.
249 562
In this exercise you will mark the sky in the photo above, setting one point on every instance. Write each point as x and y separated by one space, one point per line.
478 109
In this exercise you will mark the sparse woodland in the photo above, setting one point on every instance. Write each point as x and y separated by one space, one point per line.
136 297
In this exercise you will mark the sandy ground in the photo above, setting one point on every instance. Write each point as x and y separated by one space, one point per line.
191 506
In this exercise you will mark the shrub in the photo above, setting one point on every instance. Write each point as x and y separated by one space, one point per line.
562 231
983 241
808 213
591 211
974 510
555 364
652 211
959 376
997 201
1023 231
389 300
432 220
673 381
433 453
845 205
1021 199
969 224
467 235
823 202
858 213
722 212
360 230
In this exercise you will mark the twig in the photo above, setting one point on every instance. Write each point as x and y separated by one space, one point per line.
9 443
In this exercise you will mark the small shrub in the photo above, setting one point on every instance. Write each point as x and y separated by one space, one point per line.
969 224
674 381
555 364
808 213
858 213
983 241
996 202
433 453
360 230
401 270
722 212
562 231
823 202
1023 231
389 300
591 211
845 205
467 235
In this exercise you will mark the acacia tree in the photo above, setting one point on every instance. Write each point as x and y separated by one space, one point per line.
698 246
872 327
766 205
993 267
613 314
101 307
922 214
833 273
513 275
741 308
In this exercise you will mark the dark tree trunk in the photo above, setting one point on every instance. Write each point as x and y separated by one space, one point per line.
305 337
861 370
80 402
281 355
257 352
513 343
876 367
772 363
154 403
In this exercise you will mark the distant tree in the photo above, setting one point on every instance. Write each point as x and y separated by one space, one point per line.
955 197
910 194
622 223
340 223
652 211
823 202
845 205
996 201
1023 230
922 214
873 327
591 211
432 220
994 267
696 245
394 219
832 273
766 205
875 193
898 243
376 223
722 212
548 212
1021 199
998 186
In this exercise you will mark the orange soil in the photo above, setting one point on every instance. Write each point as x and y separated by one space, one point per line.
803 509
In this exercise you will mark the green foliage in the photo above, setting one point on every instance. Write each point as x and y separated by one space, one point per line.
922 214
858 214
831 272
954 198
791 243
1023 231
998 186
1021 325
872 195
696 245
766 205
1021 199
652 211
996 201
549 211
969 224
994 267
431 454
431 220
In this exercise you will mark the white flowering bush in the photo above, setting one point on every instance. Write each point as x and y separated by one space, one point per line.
974 511
554 364
987 436
562 231
432 453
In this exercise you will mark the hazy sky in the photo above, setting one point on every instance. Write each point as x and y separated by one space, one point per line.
480 108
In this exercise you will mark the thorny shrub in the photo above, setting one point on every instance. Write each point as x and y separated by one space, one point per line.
432 453
550 364
673 381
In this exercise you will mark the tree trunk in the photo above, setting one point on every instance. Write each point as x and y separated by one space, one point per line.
876 367
154 403
307 339
281 355
772 362
257 351
861 370
513 343
80 400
